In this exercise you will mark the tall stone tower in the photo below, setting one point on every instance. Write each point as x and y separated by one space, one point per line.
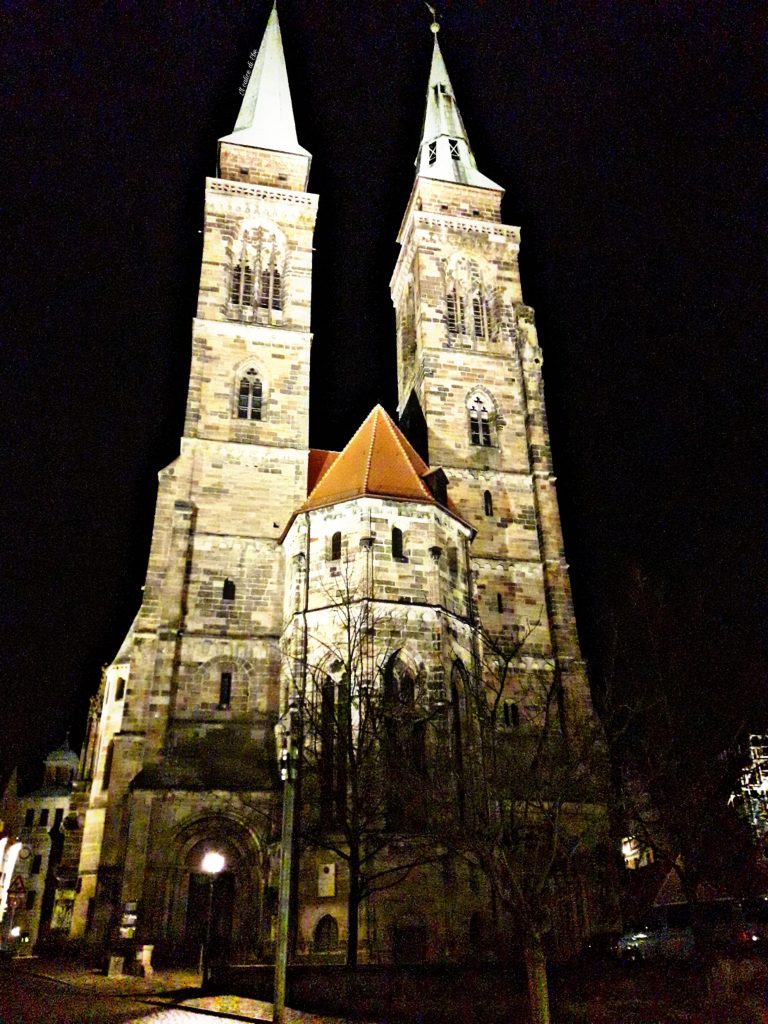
266 553
191 709
471 393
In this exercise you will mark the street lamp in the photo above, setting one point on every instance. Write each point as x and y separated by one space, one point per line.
212 864
288 769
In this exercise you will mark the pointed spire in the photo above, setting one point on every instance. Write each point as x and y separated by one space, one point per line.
445 153
266 119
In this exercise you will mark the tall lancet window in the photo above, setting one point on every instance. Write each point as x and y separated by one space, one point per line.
256 289
249 397
467 309
480 423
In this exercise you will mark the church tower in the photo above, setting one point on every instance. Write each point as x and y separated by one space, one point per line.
471 393
191 709
366 586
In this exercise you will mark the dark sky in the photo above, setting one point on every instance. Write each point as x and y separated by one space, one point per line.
627 137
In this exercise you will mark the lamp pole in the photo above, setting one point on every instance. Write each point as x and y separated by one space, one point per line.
212 864
288 776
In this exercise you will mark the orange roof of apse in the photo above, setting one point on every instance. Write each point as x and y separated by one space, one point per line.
378 461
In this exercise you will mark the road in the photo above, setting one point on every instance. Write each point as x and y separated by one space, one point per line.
25 999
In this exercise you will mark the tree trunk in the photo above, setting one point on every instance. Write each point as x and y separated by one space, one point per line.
353 906
536 970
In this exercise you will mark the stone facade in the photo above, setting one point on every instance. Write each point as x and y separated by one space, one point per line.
245 580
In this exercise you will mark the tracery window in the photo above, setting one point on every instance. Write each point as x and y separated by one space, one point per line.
404 735
480 423
249 398
256 284
467 301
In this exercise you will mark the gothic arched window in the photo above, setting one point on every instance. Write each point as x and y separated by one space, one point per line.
255 284
270 295
479 423
249 397
466 302
488 503
336 547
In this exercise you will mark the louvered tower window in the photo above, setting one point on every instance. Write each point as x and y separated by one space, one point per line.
256 285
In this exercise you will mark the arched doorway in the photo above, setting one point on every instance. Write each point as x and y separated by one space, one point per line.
210 904
326 938
235 897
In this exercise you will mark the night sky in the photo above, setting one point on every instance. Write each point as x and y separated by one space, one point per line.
628 138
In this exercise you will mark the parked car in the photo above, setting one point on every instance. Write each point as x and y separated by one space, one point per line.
667 931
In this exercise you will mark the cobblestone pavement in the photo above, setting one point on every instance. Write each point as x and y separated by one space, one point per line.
39 991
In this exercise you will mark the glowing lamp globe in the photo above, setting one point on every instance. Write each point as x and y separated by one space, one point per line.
213 863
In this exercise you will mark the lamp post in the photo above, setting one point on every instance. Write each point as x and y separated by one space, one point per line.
212 864
288 776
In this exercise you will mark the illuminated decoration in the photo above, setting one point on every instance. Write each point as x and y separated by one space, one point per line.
8 858
635 854
752 793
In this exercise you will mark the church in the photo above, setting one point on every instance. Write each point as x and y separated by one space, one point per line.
280 572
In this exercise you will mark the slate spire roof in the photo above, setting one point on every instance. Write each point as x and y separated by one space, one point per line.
266 118
445 152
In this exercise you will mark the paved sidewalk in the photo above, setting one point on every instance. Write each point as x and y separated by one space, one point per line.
177 992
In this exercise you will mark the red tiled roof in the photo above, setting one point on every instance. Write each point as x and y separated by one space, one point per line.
378 461
319 462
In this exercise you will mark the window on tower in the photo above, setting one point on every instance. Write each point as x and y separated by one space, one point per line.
432 148
228 591
270 295
256 284
467 297
454 148
479 424
455 311
249 397
336 547
488 503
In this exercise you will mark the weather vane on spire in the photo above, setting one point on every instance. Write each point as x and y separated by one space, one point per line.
434 27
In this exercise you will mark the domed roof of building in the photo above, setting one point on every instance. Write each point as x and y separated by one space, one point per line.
63 755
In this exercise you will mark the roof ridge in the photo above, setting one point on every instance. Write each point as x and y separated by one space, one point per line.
399 437
372 443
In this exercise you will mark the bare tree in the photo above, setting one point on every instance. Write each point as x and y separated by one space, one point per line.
364 715
676 775
530 795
